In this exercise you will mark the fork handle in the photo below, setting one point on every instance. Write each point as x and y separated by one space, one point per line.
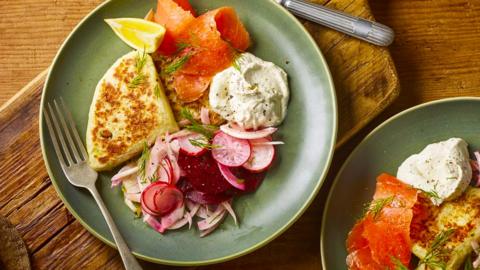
128 259
366 30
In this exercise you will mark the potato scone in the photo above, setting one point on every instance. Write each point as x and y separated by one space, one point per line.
177 104
129 108
460 217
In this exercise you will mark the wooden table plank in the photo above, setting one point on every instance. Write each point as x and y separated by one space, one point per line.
31 32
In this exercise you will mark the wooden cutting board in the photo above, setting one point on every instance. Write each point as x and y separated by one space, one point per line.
366 83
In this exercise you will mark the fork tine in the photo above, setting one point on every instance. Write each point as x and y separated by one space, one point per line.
60 135
74 129
54 138
67 132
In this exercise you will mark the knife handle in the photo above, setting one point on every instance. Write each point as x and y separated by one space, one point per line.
366 30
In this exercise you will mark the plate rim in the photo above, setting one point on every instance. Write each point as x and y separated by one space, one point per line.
291 221
362 142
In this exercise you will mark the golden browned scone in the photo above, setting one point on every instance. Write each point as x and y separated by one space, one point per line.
461 217
129 108
177 104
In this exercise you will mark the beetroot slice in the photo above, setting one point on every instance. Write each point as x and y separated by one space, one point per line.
203 174
252 180
204 198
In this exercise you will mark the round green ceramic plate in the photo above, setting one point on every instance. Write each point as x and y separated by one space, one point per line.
383 150
308 131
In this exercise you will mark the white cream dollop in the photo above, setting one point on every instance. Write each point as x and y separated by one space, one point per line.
252 93
442 167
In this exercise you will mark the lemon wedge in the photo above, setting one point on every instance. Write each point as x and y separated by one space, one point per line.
138 33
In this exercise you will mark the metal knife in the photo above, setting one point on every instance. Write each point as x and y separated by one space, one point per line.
363 29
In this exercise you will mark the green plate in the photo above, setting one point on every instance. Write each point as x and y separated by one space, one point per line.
383 150
308 131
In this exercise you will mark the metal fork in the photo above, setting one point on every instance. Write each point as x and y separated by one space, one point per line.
73 159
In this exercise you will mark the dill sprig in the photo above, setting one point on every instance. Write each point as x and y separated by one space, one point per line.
398 264
142 161
140 61
436 252
182 45
138 80
236 62
375 207
177 64
203 143
152 178
156 91
468 264
195 126
431 194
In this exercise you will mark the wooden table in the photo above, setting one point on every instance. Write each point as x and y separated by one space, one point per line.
437 54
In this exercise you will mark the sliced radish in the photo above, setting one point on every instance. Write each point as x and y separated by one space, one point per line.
170 219
153 222
204 116
231 178
261 157
160 199
237 132
168 200
147 199
157 154
269 142
164 174
190 149
230 151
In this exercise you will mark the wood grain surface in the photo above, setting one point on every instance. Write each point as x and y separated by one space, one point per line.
436 52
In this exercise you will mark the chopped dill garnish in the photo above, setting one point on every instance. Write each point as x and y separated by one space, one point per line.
137 81
139 78
202 143
140 62
182 45
142 161
177 64
156 91
436 253
236 63
195 126
431 194
398 264
468 264
375 207
152 178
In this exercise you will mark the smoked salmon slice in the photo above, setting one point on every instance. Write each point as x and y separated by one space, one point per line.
377 238
174 15
186 82
389 236
388 186
361 259
213 40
